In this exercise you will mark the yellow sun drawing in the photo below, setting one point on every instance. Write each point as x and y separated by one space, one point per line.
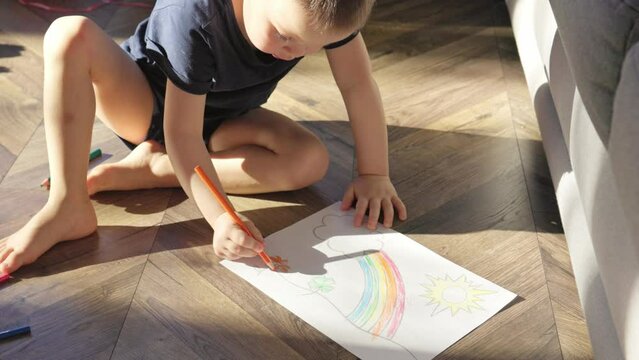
459 294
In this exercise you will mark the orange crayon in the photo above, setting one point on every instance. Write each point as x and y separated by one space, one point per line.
229 209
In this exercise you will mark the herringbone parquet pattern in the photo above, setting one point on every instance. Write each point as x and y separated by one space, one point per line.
465 155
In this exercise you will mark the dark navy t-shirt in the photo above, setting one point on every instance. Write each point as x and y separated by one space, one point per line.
199 46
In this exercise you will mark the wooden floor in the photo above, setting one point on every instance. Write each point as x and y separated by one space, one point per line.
465 155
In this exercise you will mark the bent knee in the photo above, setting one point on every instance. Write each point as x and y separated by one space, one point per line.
69 36
310 164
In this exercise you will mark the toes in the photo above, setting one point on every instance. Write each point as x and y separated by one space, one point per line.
4 252
91 186
11 263
96 178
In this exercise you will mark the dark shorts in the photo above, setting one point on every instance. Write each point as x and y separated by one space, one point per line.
212 118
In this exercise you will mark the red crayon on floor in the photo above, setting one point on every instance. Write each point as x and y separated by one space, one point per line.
4 277
46 183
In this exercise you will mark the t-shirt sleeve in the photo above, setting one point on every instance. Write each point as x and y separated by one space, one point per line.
177 43
344 41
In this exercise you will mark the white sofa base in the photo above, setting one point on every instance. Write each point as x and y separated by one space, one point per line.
535 31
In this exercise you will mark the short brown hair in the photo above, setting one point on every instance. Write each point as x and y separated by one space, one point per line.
338 14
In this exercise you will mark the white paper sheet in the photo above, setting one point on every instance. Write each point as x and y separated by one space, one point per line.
379 294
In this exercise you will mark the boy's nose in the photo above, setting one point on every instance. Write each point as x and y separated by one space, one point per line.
293 52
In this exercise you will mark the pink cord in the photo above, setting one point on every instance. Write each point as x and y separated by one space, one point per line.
85 10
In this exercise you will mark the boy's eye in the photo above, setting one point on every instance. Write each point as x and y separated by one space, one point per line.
281 37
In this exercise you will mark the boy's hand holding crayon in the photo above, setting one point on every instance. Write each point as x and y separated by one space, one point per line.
231 242
235 235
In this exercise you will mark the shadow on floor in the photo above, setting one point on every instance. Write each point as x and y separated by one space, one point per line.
10 50
451 182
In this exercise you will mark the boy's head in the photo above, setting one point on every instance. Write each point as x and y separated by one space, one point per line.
292 28
345 15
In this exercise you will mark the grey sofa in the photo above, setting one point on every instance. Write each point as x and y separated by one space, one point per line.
581 61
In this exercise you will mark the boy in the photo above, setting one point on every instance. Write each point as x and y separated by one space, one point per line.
187 91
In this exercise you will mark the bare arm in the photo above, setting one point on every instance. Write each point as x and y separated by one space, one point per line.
352 71
183 121
372 190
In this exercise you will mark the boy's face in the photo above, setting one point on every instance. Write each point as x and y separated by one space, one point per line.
283 29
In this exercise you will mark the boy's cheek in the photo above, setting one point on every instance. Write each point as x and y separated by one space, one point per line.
263 46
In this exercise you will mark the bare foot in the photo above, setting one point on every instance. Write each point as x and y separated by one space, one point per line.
51 225
146 167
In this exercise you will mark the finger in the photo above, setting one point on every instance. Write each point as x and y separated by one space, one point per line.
373 213
230 256
240 251
347 200
360 210
225 254
389 212
257 234
237 238
401 209
4 253
220 252
246 241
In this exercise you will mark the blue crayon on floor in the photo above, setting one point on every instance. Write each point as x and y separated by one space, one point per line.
5 334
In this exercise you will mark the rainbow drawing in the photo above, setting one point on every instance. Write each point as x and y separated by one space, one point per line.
381 305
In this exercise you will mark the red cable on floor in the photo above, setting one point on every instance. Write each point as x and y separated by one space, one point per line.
84 10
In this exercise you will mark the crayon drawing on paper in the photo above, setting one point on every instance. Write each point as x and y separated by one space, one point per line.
378 293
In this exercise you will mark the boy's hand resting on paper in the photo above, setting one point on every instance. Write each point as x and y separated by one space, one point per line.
231 242
376 194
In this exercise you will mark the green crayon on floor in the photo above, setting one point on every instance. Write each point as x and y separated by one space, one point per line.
94 154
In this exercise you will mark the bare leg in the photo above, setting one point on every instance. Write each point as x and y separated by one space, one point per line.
262 151
72 66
